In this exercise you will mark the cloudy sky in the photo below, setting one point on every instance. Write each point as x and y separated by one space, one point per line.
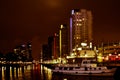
22 20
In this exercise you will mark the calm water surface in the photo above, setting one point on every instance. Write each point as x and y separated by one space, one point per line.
39 72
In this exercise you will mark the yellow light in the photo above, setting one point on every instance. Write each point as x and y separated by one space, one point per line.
103 58
73 49
73 60
79 48
77 13
118 54
61 26
106 58
60 43
110 54
83 19
72 54
86 55
80 24
65 79
80 20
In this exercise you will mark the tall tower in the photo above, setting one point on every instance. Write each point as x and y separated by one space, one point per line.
63 40
80 27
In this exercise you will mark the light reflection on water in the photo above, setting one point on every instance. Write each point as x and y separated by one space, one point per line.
48 73
38 72
2 70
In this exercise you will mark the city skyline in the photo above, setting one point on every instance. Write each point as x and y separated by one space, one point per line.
22 21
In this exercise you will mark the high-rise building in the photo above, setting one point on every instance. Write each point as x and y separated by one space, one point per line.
63 40
56 53
47 49
45 52
51 50
80 27
50 46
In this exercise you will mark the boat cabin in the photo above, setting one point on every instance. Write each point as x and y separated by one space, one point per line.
89 63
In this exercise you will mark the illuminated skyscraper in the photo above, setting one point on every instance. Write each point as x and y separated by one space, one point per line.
80 27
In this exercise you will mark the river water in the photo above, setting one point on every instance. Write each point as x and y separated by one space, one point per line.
39 72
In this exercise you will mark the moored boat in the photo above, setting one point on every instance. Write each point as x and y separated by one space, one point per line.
85 67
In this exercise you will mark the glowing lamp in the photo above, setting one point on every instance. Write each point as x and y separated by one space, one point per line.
79 49
84 44
110 54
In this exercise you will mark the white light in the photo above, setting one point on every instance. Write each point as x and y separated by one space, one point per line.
79 48
85 55
65 79
110 54
61 26
72 12
90 44
84 44
118 54
73 49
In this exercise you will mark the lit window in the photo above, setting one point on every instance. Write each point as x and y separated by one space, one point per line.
80 24
83 19
80 20
116 56
77 13
110 54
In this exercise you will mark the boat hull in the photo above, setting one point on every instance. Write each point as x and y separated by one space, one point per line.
67 70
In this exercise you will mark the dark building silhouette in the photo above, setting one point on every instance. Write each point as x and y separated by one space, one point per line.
57 44
50 46
64 40
24 51
29 51
47 49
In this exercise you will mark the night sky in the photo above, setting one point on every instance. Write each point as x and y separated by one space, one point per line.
22 20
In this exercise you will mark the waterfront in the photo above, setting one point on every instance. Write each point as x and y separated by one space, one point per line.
39 72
